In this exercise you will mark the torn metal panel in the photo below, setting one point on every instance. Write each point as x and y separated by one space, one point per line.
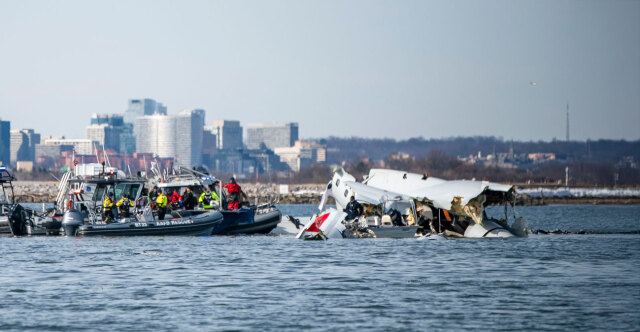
461 197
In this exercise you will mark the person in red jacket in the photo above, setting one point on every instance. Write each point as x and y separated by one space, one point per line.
234 194
175 200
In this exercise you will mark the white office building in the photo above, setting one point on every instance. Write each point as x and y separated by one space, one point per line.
169 136
156 134
80 145
189 131
142 107
296 157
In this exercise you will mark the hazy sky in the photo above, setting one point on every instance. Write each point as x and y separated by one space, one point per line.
345 68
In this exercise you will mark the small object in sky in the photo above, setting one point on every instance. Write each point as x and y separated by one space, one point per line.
533 83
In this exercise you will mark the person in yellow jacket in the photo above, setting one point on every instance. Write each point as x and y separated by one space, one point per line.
209 199
161 202
107 206
124 206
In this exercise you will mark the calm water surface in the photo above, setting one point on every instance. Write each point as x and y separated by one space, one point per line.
544 282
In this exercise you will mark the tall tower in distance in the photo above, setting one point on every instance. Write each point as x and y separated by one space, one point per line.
568 122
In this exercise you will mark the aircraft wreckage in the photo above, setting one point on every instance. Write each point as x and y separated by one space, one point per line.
401 204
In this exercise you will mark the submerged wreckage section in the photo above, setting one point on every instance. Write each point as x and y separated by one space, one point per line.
457 206
401 204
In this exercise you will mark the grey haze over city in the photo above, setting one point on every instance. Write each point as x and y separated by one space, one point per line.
395 69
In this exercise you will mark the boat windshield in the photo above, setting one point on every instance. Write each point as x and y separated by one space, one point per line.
99 193
129 189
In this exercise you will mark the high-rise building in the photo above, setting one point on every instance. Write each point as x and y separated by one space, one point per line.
127 139
228 134
208 147
142 107
179 137
23 145
105 136
156 134
5 142
271 135
114 120
106 131
189 133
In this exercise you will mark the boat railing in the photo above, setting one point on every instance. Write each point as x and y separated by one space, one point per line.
6 207
63 191
93 211
266 201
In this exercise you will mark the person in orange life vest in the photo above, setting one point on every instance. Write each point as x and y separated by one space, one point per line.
234 194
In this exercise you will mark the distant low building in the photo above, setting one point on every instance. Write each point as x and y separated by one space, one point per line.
540 157
48 155
319 150
80 145
296 157
24 166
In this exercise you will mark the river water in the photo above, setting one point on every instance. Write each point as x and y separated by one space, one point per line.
543 282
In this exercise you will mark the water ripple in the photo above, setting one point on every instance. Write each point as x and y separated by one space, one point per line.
562 282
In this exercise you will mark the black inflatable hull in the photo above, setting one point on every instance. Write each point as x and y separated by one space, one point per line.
197 225
249 221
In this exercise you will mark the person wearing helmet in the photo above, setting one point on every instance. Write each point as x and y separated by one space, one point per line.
209 199
353 209
175 201
188 200
124 206
153 196
107 206
161 202
234 194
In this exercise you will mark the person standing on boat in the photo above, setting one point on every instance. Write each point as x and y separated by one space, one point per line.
161 202
175 200
353 209
234 194
107 205
153 196
124 206
188 200
208 198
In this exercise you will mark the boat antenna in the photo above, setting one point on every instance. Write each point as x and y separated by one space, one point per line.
73 159
144 161
95 148
106 157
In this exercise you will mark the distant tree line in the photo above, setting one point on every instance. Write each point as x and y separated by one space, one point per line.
604 151
439 164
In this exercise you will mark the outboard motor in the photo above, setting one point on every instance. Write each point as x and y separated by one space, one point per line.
18 220
71 220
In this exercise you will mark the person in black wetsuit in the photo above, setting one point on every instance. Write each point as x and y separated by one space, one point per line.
189 201
353 209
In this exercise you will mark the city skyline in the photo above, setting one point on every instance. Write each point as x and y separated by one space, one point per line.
401 70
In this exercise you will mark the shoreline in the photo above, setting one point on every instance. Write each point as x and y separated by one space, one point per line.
45 192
